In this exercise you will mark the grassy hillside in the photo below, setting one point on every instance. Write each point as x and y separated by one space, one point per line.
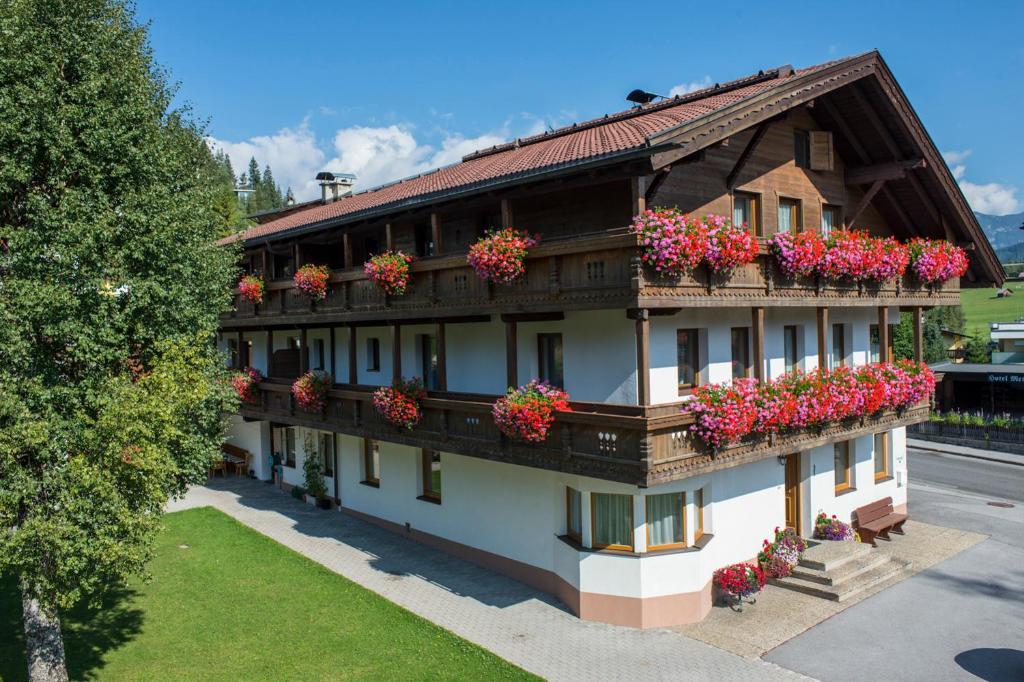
982 307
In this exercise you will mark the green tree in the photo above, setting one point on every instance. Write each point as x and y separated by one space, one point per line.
978 349
225 200
111 392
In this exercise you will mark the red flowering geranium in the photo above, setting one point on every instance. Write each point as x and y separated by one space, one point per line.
389 271
311 280
671 243
244 382
723 413
399 404
798 255
935 261
728 246
310 390
526 413
856 255
740 580
888 259
500 256
251 288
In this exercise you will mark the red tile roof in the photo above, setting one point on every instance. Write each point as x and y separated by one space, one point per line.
590 140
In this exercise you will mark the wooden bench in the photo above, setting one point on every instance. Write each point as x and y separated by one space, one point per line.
237 458
877 520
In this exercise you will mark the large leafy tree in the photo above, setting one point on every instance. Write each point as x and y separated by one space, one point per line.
111 393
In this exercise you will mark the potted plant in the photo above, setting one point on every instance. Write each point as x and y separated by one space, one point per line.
779 557
739 582
526 413
389 271
310 390
311 281
501 255
826 528
245 382
313 472
251 288
399 404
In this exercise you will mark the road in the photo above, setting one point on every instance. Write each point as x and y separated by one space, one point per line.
962 619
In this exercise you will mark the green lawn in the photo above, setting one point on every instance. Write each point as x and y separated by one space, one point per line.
982 307
227 603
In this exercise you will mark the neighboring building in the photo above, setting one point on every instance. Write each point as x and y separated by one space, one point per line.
1008 338
618 513
980 388
955 344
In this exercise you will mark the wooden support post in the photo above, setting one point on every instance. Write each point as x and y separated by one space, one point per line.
757 325
643 358
346 245
303 351
266 263
823 337
511 355
863 203
918 313
353 374
296 256
883 334
239 360
506 213
396 352
270 352
748 151
638 186
442 358
435 232
388 239
334 359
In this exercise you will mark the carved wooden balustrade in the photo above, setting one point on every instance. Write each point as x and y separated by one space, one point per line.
592 272
625 443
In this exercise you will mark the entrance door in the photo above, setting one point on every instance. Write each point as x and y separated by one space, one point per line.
793 491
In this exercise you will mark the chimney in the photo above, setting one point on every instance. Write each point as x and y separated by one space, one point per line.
334 186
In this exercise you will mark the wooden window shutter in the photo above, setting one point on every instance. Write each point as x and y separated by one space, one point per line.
821 150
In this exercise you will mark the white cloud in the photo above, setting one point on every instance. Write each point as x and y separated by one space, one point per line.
686 88
991 198
292 154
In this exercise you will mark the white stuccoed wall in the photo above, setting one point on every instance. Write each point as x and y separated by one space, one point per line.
254 437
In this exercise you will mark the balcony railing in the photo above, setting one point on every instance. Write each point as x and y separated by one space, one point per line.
589 272
630 444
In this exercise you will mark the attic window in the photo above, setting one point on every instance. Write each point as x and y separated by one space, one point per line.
802 149
813 149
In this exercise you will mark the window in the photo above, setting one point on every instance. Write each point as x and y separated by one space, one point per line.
233 356
424 240
326 447
830 219
431 462
549 359
838 345
289 447
246 354
284 266
698 511
318 344
373 355
790 349
802 148
574 514
688 360
744 212
427 345
665 526
789 216
882 456
611 519
740 352
371 462
843 474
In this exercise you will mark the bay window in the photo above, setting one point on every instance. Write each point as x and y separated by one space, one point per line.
666 528
611 521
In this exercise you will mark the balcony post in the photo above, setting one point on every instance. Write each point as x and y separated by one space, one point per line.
822 337
757 325
638 187
883 334
506 213
435 232
296 256
238 342
265 253
442 358
353 375
346 245
918 313
334 359
303 352
396 352
511 355
643 357
270 352
388 239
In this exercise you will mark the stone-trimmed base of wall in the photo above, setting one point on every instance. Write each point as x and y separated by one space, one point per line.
650 612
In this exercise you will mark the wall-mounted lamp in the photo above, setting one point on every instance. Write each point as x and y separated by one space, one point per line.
782 459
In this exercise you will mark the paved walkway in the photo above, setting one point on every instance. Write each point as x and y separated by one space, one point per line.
514 621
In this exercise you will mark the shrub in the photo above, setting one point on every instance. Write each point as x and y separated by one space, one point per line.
399 404
389 271
311 280
313 470
251 288
526 413
310 390
500 256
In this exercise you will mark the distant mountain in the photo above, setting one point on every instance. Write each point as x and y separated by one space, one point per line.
1011 254
1002 230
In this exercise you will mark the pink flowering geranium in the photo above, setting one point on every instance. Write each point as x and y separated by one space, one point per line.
389 271
728 246
399 404
798 255
888 259
244 382
935 261
858 256
779 557
311 280
723 413
671 243
526 413
251 288
500 256
310 390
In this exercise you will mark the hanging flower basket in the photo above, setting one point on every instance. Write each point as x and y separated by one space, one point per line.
311 280
310 390
826 528
399 404
728 246
671 243
245 382
251 288
389 271
739 582
935 261
779 557
500 257
798 255
526 413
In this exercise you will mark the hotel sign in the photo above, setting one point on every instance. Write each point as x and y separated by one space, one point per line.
1015 380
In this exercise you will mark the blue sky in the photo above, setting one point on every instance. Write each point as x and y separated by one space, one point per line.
390 89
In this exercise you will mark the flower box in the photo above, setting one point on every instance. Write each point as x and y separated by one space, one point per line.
526 413
245 382
674 244
936 261
500 257
310 390
311 281
399 404
389 271
251 287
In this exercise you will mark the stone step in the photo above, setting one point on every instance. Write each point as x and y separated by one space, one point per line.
827 555
845 571
849 588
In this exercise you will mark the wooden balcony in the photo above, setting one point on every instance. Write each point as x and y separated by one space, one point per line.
630 444
584 273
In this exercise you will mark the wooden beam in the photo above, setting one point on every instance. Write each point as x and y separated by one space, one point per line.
823 337
334 359
891 170
270 352
876 121
643 358
511 355
303 351
238 345
864 201
638 187
396 352
346 243
757 325
388 239
748 151
353 373
656 183
532 317
918 313
442 358
296 255
265 252
435 232
883 333
506 213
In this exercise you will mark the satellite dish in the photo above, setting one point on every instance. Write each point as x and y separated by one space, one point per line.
641 97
